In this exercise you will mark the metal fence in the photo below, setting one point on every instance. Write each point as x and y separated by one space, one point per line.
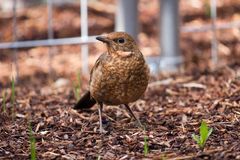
85 39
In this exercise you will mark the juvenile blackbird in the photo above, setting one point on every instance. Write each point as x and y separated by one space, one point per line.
119 76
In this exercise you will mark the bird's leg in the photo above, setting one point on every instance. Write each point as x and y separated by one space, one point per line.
130 111
100 116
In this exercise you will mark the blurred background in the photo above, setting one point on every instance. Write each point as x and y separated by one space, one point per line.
45 40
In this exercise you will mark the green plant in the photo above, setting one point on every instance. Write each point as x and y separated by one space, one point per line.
13 97
32 143
4 101
146 149
77 87
205 132
145 142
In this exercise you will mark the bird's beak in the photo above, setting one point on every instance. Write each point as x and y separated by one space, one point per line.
104 39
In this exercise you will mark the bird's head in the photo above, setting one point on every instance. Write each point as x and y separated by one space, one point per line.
119 43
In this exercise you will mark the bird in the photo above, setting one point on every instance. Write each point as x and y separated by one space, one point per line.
119 76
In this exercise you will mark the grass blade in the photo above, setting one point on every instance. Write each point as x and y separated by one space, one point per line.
146 149
203 131
77 86
13 97
32 143
196 138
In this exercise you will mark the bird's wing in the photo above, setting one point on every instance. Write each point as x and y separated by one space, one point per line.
103 57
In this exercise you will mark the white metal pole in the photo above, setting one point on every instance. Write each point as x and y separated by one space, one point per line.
84 35
53 42
170 57
15 38
127 17
214 46
50 36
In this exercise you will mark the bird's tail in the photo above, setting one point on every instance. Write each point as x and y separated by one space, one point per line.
85 102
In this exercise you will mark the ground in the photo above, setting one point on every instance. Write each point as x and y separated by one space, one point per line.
171 109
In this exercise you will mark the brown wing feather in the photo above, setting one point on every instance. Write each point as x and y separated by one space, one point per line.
100 59
87 101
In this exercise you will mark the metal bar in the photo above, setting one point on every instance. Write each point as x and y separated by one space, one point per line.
208 27
50 24
127 17
214 49
170 57
50 36
84 34
15 55
91 39
46 42
84 18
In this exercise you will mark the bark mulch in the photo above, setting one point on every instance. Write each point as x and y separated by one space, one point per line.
171 110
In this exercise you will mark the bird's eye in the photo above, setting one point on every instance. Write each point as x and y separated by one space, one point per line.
120 40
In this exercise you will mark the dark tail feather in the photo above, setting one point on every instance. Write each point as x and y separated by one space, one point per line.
85 102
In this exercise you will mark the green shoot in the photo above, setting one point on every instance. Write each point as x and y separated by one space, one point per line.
205 132
4 101
146 149
32 143
13 97
77 87
145 143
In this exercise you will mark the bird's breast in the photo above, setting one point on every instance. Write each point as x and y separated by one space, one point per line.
119 81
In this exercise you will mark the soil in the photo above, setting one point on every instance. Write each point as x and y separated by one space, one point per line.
171 109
